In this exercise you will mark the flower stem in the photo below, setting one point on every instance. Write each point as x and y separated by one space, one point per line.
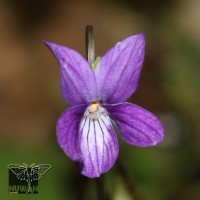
100 188
130 186
82 188
129 182
90 48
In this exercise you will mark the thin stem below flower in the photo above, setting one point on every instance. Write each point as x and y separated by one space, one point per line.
131 188
100 188
90 47
128 182
82 186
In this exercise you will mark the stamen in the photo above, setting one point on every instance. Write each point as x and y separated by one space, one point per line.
94 106
94 111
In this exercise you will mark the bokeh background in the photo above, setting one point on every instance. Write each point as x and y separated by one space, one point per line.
30 100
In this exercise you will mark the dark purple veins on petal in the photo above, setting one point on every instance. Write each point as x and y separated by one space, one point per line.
77 80
118 71
98 145
67 131
136 125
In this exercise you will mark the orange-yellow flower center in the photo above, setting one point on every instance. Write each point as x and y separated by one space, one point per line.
94 106
94 111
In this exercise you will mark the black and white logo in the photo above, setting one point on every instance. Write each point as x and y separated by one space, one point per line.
23 179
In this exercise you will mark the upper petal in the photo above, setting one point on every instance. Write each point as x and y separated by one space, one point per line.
136 125
67 131
118 71
98 146
77 79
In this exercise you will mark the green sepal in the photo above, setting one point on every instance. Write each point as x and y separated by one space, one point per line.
94 64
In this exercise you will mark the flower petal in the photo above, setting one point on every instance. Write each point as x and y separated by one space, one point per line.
77 80
136 125
98 145
67 131
118 71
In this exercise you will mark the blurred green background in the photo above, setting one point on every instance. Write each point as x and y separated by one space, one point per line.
30 100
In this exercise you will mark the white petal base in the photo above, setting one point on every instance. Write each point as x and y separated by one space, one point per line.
98 142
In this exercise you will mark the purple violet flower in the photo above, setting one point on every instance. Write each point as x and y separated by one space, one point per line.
97 103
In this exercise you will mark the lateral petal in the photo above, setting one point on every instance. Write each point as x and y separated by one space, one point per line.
77 80
136 125
68 129
118 71
98 146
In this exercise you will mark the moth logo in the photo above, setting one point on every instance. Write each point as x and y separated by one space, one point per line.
23 179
